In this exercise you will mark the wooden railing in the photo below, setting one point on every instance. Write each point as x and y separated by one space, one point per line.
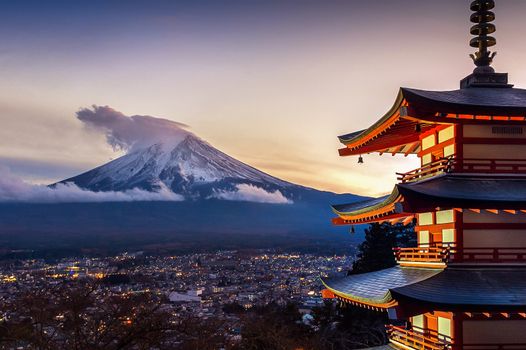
441 165
517 346
414 340
505 166
449 253
464 165
488 255
422 254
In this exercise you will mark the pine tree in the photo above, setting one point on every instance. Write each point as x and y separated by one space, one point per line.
376 251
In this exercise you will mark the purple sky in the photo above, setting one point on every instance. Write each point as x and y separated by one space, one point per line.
270 82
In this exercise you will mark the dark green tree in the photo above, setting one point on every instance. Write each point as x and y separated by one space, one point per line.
376 251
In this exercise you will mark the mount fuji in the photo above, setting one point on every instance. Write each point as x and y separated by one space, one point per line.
215 201
191 168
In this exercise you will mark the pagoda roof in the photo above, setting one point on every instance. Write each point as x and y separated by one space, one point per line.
373 288
477 289
442 191
395 131
479 100
464 191
363 206
383 208
469 289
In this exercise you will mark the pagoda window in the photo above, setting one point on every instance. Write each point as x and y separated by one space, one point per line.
446 134
437 144
444 329
445 216
423 238
428 142
425 219
449 150
418 322
427 158
448 236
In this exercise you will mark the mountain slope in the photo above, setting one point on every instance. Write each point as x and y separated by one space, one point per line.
227 203
191 168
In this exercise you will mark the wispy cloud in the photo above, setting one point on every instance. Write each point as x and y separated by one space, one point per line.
12 189
251 193
131 132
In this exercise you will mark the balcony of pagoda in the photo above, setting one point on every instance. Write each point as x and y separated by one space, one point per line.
402 338
440 166
483 255
429 257
489 346
440 256
452 164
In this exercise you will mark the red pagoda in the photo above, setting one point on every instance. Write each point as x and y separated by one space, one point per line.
464 285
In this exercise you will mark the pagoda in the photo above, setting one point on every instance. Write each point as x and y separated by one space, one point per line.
464 285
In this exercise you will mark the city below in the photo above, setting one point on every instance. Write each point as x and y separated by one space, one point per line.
207 286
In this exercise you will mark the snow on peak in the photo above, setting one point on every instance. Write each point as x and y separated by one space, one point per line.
160 152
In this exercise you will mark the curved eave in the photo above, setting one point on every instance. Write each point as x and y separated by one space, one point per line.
446 191
374 288
351 138
373 210
393 218
383 303
371 205
394 132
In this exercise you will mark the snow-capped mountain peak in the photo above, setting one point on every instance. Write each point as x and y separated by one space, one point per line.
191 167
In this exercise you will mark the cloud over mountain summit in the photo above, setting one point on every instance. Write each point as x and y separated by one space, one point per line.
129 133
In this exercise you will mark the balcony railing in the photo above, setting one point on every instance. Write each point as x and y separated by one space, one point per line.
465 165
439 255
402 337
517 346
441 165
503 166
422 255
488 255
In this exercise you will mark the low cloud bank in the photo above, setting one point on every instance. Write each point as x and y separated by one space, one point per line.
251 193
12 189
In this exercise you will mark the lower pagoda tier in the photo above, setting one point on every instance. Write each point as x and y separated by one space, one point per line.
374 288
442 191
451 289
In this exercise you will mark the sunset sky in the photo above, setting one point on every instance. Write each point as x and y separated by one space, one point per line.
270 82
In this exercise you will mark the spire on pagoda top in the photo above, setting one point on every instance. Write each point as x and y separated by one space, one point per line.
482 18
483 75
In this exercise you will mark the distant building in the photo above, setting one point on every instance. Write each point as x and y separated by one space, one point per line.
190 296
464 285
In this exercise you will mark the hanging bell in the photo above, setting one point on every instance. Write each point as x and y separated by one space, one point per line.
360 160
